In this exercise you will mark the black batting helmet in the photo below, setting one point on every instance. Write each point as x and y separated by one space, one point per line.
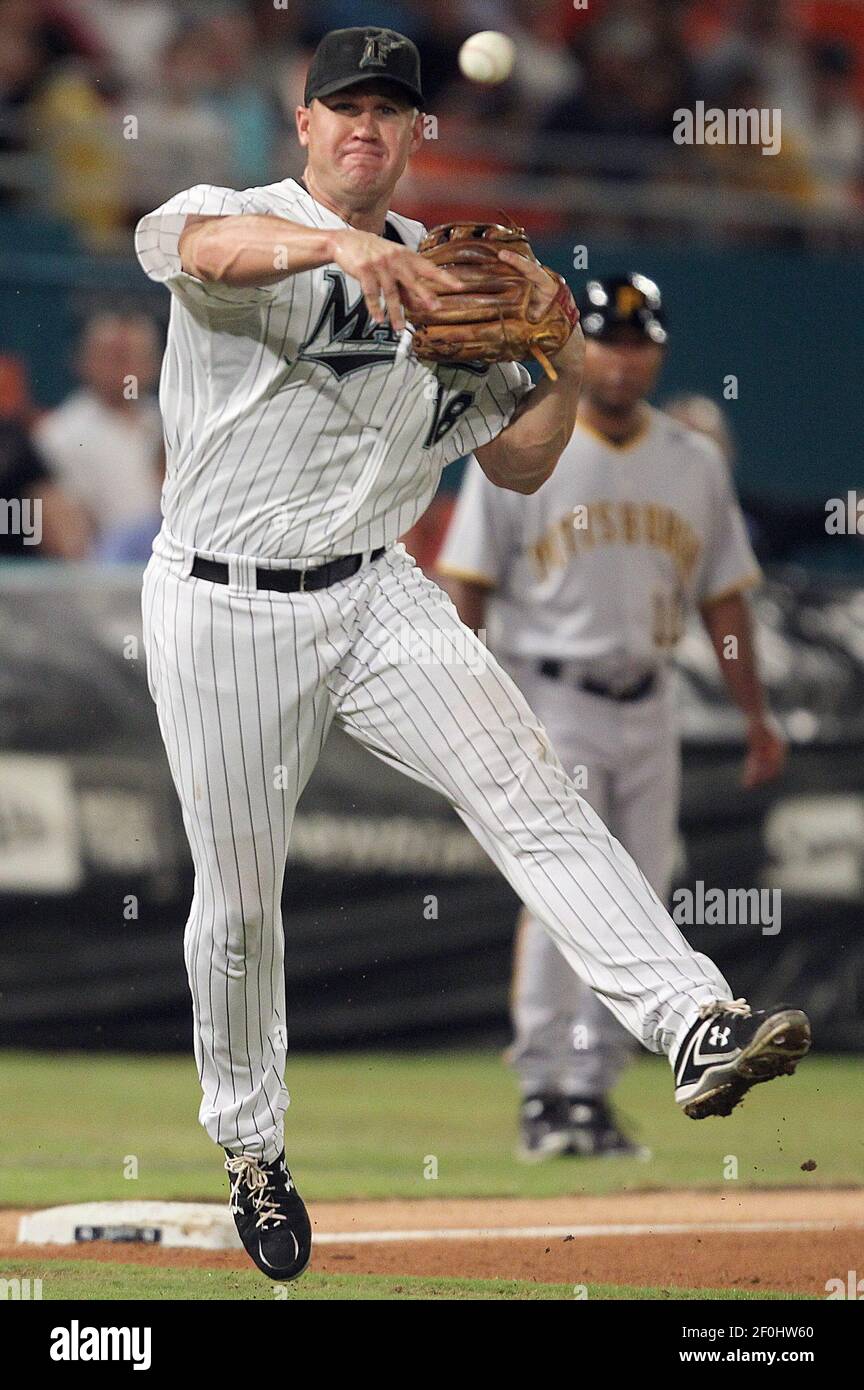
623 303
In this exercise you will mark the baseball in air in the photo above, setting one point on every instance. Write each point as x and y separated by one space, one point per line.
487 57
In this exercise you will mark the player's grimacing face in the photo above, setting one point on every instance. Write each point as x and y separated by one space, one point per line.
620 374
358 140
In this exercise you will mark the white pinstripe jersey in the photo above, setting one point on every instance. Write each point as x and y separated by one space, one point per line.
296 428
601 564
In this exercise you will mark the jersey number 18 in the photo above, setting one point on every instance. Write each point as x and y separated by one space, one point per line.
444 417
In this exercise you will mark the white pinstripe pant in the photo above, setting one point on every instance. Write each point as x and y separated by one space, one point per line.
246 685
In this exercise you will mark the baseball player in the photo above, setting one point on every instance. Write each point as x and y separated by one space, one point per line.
587 584
303 437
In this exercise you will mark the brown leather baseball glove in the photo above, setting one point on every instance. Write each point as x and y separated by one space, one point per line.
487 320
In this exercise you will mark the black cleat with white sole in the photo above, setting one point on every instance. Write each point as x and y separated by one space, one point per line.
544 1128
594 1131
730 1048
269 1214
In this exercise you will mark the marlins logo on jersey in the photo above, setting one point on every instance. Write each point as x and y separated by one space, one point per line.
345 339
295 425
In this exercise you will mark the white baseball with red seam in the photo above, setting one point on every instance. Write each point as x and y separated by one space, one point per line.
487 57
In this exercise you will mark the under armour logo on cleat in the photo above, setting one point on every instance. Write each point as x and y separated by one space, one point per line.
718 1037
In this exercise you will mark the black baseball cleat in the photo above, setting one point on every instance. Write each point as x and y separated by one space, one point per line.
544 1128
270 1216
595 1133
729 1049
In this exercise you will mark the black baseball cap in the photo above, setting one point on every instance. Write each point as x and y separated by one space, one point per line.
345 57
622 305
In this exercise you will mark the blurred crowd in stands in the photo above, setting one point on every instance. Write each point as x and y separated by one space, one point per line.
109 106
95 464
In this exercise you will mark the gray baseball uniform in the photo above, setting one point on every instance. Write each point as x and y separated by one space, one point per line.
590 580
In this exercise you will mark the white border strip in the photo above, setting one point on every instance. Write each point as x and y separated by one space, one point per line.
581 1232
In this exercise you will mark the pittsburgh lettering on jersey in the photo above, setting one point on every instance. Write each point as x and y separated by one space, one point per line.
618 523
345 339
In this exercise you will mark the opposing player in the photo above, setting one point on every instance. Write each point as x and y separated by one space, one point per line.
302 439
588 584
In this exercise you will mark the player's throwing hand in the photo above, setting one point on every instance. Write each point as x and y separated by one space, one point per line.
391 277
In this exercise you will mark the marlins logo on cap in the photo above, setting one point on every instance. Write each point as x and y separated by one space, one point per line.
378 46
345 57
622 305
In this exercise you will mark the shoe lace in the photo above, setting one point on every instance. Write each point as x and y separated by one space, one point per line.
248 1172
725 1006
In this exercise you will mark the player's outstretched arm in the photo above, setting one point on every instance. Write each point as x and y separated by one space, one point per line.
525 453
730 617
258 249
250 249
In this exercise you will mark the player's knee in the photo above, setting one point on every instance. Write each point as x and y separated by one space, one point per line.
246 934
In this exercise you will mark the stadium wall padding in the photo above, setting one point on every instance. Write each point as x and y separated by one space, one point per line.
772 318
398 927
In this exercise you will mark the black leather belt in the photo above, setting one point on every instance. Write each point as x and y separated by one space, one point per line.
555 670
288 581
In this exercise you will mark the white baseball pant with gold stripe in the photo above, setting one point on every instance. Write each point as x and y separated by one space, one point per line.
626 760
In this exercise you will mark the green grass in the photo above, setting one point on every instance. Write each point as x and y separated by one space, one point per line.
88 1281
364 1125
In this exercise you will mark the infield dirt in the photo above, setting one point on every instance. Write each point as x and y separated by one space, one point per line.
806 1238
